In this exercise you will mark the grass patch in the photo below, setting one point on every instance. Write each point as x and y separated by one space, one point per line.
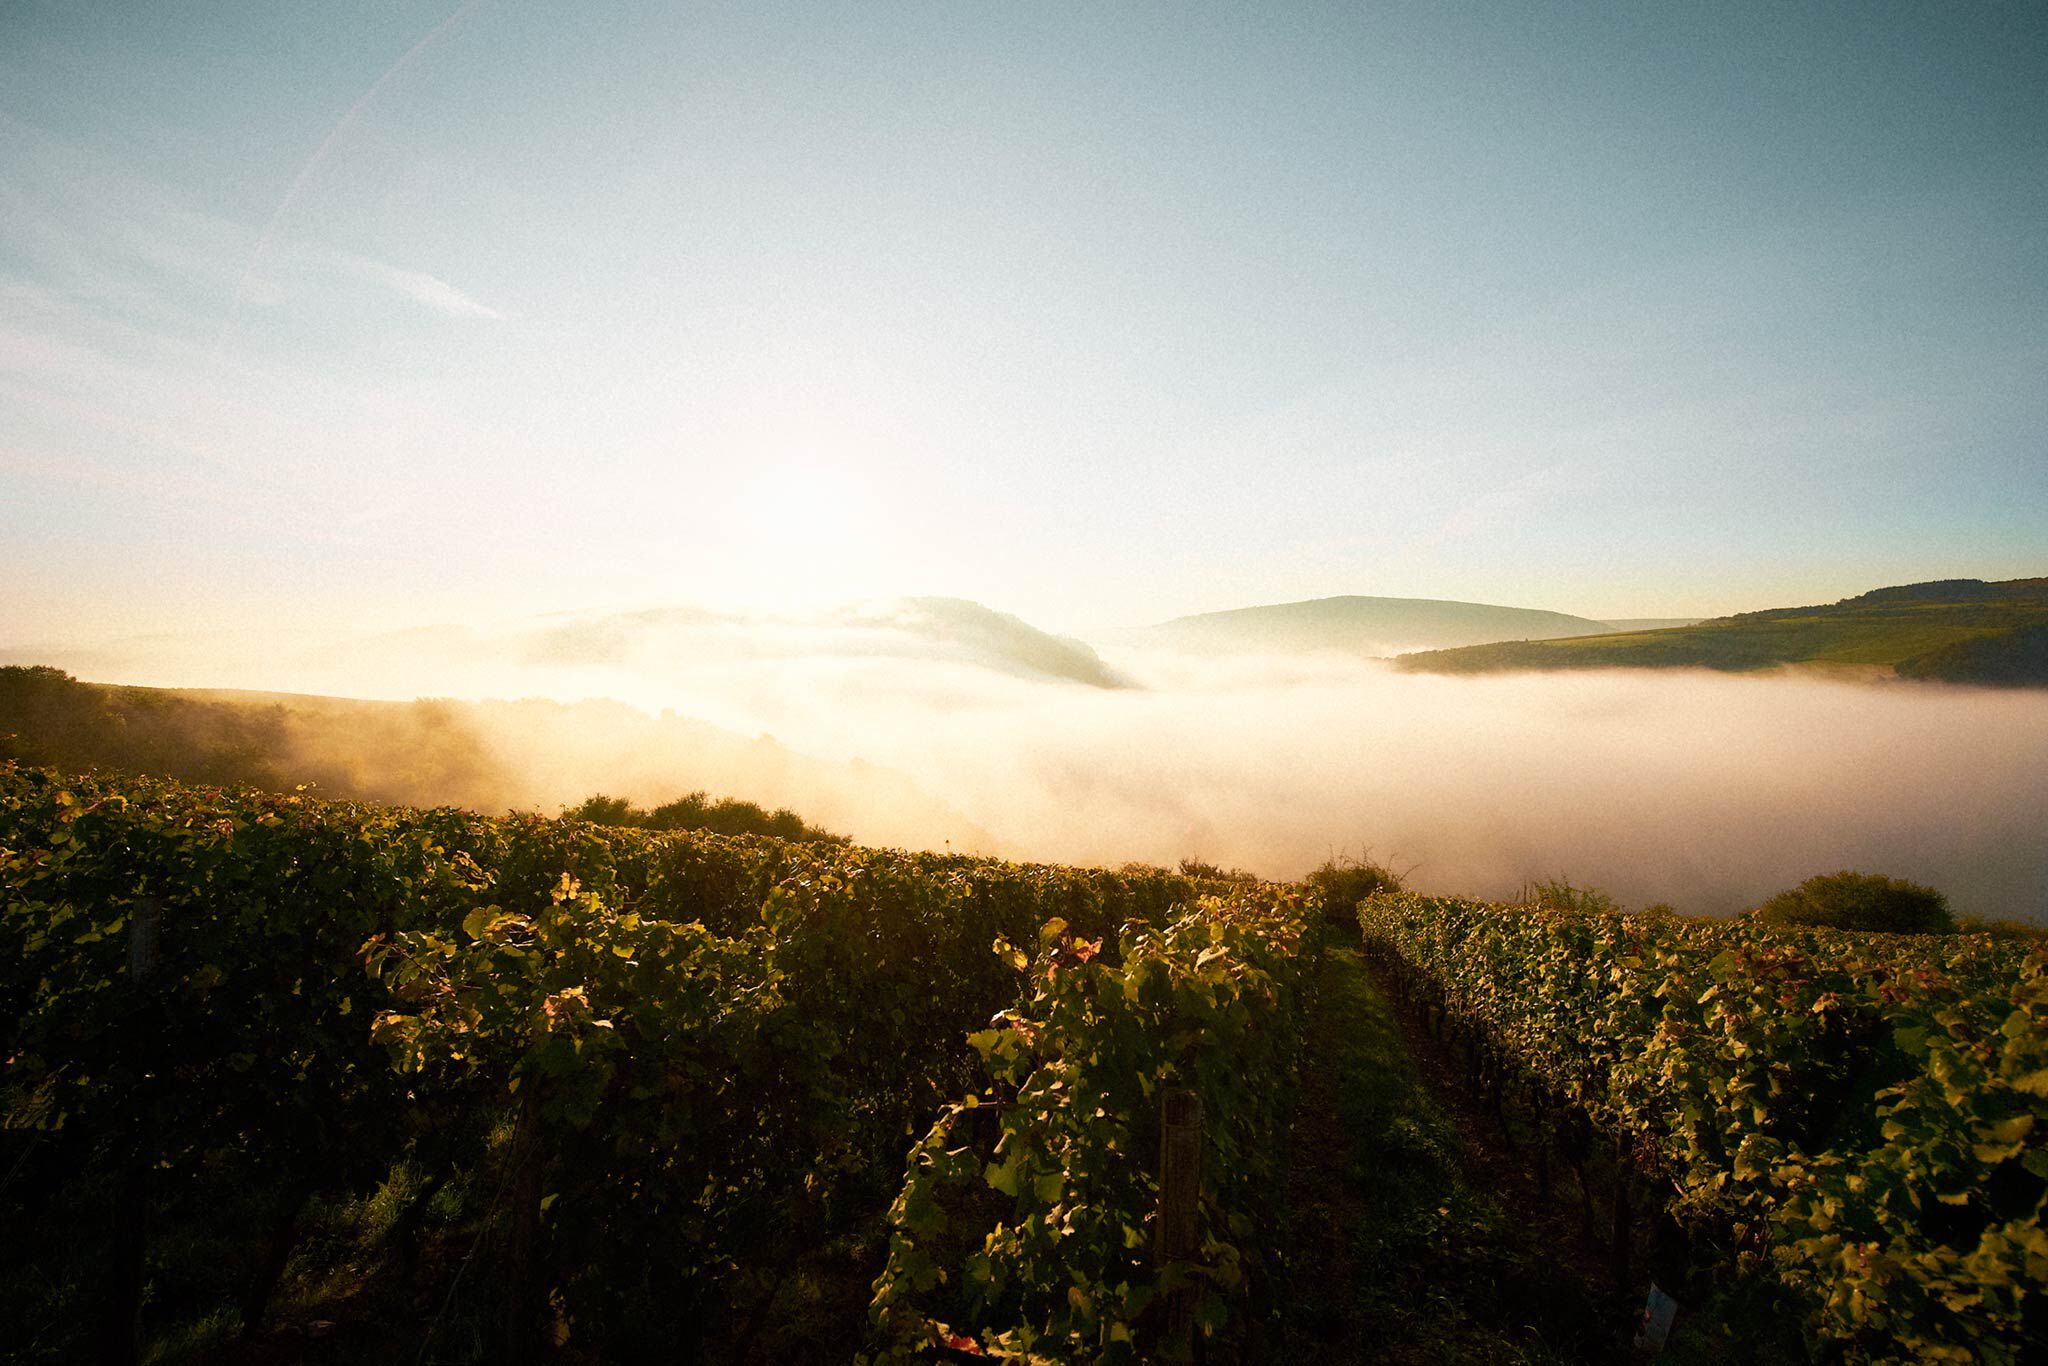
1396 1257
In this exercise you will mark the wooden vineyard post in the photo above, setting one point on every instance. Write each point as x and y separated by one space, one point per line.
121 1329
1178 1229
1496 1095
522 1309
1620 1249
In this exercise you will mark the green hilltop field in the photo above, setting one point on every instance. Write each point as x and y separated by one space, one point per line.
1952 631
1364 626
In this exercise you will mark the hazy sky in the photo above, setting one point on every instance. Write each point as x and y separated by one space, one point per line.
1099 314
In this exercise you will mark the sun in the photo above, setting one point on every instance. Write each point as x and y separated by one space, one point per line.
805 527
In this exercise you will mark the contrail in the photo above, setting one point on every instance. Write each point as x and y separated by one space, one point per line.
313 164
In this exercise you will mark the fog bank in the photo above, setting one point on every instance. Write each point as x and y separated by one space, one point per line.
1703 790
1706 791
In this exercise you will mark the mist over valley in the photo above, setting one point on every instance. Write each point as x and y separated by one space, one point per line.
940 723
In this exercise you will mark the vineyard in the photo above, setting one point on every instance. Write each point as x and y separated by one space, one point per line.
1863 1112
671 1064
619 1094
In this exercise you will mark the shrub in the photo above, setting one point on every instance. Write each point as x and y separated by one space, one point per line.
697 811
1345 881
1214 872
1861 901
1558 894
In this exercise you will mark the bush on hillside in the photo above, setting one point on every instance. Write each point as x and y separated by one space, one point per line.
1214 872
1558 894
699 811
1345 881
1860 901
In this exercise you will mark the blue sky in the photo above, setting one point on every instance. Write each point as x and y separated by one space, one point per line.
406 312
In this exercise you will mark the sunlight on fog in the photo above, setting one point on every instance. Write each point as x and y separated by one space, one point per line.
1707 791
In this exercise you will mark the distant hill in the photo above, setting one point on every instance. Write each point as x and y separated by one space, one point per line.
1365 626
957 628
589 652
1651 623
934 629
1951 630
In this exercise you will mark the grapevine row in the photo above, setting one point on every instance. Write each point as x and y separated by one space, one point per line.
674 1060
1872 1110
1026 1229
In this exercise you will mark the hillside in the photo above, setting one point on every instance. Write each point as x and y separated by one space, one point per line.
1365 626
1951 631
530 754
1650 623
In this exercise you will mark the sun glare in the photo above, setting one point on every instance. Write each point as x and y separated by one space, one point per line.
806 525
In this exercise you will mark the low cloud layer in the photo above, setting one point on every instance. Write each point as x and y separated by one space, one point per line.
1706 791
1709 792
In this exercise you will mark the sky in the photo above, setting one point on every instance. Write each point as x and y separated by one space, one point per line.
401 312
